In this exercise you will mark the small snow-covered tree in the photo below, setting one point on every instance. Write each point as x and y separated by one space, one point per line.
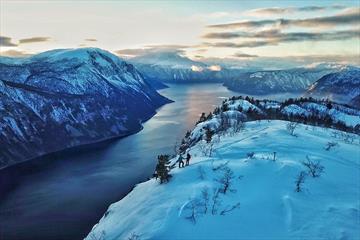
162 168
299 181
315 169
290 127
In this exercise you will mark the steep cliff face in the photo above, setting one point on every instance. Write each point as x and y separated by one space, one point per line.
64 98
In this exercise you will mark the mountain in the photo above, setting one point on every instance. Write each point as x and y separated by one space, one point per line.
261 180
171 67
69 97
341 86
276 81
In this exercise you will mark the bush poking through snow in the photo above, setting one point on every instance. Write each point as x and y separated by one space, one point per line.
330 145
134 236
290 127
314 168
300 179
162 169
229 209
250 155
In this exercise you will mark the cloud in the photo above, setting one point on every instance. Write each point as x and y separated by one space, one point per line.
91 40
288 10
244 55
349 17
6 42
14 53
133 52
33 40
266 38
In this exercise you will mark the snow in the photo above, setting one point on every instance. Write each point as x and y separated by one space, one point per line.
327 208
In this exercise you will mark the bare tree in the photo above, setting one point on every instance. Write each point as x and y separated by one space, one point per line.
314 167
299 181
205 198
216 202
226 180
290 127
192 209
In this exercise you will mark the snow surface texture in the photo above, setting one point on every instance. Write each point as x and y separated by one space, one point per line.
341 86
67 97
327 207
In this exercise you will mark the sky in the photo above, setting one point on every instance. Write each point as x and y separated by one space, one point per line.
321 30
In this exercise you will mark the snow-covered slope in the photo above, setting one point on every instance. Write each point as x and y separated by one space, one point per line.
277 81
171 67
67 97
342 86
261 202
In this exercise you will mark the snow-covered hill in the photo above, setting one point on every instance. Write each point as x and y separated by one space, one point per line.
67 97
342 86
252 179
171 67
261 201
276 81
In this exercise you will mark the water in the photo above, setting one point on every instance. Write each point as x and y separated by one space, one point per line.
63 195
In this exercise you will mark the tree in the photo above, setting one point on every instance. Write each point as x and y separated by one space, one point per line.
226 180
162 168
300 179
314 167
290 127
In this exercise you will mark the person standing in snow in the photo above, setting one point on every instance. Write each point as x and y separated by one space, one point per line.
180 160
188 156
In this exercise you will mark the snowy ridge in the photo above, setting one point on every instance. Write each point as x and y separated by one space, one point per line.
261 202
303 110
68 97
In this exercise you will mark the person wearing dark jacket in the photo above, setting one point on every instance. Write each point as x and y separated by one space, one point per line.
180 161
188 156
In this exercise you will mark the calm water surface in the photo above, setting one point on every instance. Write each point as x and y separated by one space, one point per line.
63 195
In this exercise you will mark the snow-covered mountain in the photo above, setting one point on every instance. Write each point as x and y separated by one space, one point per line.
170 67
341 86
68 97
252 179
276 81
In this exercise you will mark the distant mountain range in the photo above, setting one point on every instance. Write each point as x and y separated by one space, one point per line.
163 67
342 86
64 98
170 67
